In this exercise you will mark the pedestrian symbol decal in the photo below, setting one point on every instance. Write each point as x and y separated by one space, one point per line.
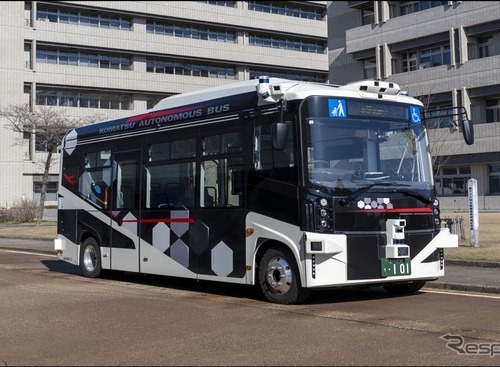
415 115
337 108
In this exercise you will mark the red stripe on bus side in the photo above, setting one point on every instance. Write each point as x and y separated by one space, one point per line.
164 220
398 210
160 113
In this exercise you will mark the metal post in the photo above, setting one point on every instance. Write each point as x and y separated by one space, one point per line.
473 212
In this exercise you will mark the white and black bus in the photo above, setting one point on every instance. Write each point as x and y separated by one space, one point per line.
290 185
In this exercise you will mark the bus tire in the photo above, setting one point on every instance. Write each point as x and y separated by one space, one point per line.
90 258
405 288
279 278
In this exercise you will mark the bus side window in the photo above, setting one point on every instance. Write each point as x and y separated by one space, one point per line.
126 195
170 185
218 184
265 155
223 153
94 180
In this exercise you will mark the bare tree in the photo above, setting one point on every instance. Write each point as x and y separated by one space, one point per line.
49 125
442 129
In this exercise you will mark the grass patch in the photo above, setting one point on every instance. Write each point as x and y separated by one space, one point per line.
46 230
488 249
489 238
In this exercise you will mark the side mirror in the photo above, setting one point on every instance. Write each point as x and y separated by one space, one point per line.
279 132
468 131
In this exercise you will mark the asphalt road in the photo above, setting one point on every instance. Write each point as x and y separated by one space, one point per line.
53 316
473 276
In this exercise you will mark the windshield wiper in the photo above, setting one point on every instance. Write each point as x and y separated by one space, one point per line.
354 194
414 194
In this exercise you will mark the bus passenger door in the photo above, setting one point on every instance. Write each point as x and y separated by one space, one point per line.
218 236
126 214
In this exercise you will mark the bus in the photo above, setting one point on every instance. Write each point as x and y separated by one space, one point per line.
284 185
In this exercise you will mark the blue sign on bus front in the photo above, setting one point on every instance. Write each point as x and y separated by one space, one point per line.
337 108
415 115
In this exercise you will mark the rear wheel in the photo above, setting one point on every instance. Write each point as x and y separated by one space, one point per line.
90 258
279 277
405 288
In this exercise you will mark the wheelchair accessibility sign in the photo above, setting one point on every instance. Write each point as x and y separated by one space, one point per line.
415 115
337 108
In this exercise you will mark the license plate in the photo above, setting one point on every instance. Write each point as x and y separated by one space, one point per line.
395 267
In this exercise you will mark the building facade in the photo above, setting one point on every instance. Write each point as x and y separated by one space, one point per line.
446 53
111 58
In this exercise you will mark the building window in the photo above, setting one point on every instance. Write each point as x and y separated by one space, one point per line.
494 178
315 78
435 116
367 16
408 7
409 61
435 56
51 192
229 4
40 142
186 31
286 44
452 181
72 98
425 58
92 19
485 47
179 68
493 110
152 100
282 8
75 58
369 69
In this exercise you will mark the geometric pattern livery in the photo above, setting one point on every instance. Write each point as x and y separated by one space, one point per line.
179 251
70 141
161 237
130 226
222 259
199 235
179 228
379 203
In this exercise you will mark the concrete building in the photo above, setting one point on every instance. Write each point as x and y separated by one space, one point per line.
110 58
446 53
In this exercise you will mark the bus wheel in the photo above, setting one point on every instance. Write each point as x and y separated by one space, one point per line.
279 277
90 258
405 288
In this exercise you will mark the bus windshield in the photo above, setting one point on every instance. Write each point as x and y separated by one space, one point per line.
358 149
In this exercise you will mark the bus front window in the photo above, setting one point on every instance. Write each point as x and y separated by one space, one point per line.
349 153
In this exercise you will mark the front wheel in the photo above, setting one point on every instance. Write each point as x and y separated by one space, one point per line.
279 277
90 258
405 288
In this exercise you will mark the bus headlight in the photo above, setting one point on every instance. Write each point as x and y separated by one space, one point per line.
324 216
436 211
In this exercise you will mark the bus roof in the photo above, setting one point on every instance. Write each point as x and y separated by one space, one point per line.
233 97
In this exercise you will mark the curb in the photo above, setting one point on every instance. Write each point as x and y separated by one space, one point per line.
30 249
473 263
463 287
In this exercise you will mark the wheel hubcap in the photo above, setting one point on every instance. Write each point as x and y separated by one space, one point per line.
279 275
89 258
